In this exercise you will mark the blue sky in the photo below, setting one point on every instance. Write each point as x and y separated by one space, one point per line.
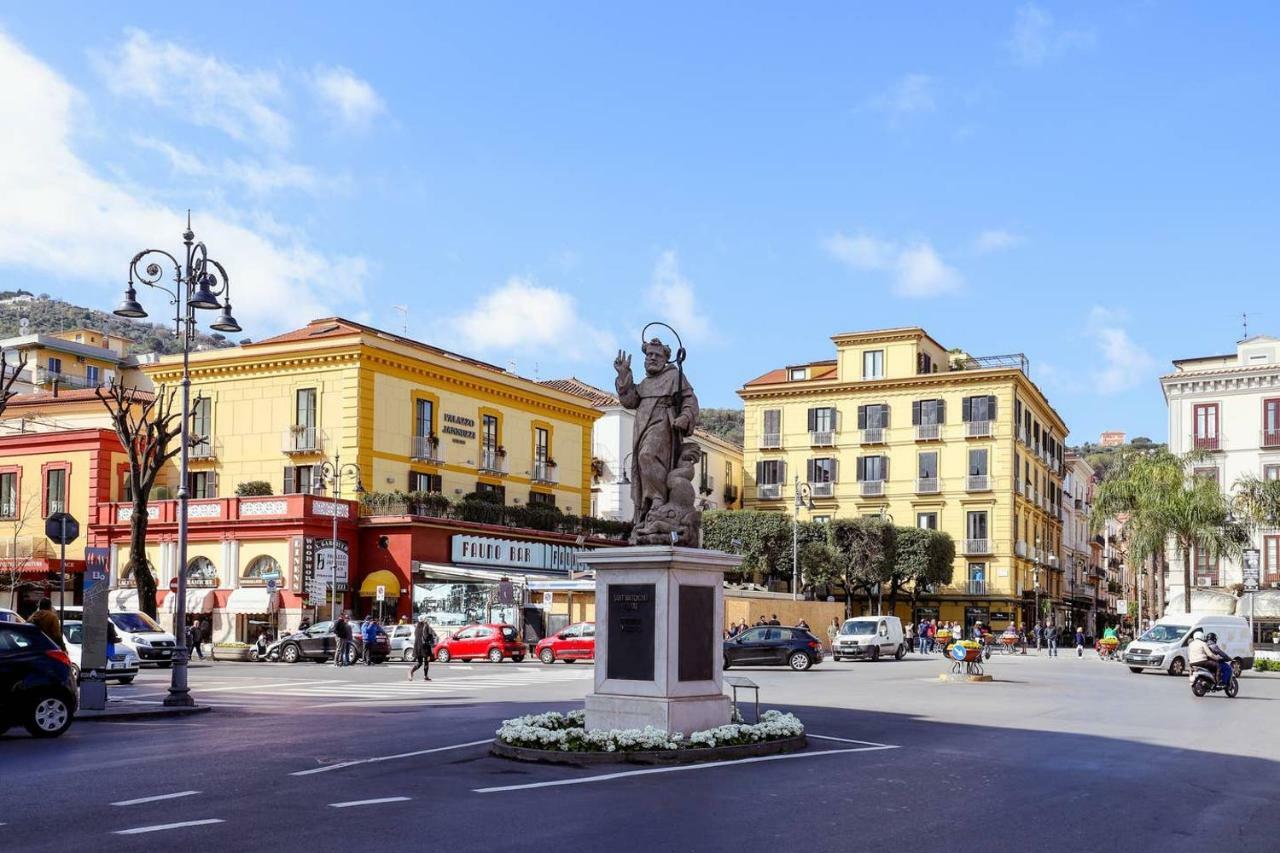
1093 184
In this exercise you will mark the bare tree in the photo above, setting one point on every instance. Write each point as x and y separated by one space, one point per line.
148 429
15 554
8 376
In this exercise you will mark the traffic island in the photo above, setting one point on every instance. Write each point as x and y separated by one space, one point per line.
117 713
554 738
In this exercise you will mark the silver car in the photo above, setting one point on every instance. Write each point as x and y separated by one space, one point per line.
401 637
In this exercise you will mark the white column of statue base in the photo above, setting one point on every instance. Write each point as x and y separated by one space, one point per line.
659 624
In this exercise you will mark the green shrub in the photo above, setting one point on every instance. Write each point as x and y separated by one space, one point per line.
253 488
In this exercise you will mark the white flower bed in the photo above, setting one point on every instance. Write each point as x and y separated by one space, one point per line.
567 733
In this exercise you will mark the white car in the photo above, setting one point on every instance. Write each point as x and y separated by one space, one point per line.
871 637
7 615
122 664
1164 645
140 634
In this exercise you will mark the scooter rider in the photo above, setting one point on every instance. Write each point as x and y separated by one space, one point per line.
1205 652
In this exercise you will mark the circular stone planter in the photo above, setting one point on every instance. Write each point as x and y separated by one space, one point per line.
963 679
230 653
665 756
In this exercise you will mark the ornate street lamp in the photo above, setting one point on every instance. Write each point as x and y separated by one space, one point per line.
199 281
804 498
334 471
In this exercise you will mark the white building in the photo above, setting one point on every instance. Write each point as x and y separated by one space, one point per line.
1080 585
718 477
1228 406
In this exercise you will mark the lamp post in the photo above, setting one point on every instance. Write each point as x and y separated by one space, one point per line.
334 472
885 515
196 287
804 498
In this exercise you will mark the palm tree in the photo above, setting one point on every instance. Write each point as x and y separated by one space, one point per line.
1160 503
1258 501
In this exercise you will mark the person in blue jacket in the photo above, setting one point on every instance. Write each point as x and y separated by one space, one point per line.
369 632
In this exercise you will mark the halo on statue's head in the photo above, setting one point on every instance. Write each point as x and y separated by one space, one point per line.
680 353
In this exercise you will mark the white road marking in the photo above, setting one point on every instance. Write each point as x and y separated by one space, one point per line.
270 685
681 768
846 740
379 758
156 798
368 802
138 830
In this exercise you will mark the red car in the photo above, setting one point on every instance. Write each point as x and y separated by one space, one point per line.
494 642
577 642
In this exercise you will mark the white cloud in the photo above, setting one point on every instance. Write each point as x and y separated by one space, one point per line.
1036 39
199 88
61 218
1123 363
918 271
257 177
672 296
914 93
348 98
995 240
523 315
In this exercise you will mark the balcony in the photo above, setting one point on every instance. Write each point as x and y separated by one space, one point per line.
1023 436
1053 561
730 494
303 439
822 438
201 448
927 486
1016 361
928 432
977 546
975 587
872 435
544 473
43 377
822 490
977 483
1270 438
426 448
769 491
871 488
1206 442
979 429
1020 549
15 549
492 462
771 441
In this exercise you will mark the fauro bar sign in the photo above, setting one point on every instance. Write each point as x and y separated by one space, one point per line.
514 554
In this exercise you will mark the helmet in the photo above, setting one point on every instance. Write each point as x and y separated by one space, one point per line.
1211 638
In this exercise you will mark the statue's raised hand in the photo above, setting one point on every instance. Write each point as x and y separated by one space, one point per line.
622 364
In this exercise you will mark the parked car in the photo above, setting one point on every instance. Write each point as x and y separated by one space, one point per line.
401 641
870 637
493 642
37 689
7 615
122 664
576 642
318 643
140 634
773 645
1164 645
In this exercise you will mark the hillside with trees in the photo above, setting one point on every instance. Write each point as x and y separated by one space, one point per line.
724 423
1101 459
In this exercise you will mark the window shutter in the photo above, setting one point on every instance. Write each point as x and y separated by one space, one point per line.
942 411
288 481
782 480
810 466
966 409
862 468
915 412
991 407
884 467
813 420
884 415
862 417
835 470
213 484
760 471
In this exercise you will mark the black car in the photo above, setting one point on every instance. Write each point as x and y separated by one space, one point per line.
37 689
773 645
320 644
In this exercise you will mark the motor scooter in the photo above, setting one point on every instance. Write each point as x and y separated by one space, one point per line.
1206 681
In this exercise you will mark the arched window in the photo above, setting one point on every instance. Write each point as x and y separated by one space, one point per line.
200 572
259 565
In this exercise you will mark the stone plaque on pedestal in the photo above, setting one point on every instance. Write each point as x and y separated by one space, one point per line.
660 612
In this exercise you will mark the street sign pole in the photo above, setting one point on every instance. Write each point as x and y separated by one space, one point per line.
62 576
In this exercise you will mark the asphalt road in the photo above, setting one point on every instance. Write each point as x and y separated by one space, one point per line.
1061 754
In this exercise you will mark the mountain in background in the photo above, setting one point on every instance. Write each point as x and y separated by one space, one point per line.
47 314
1102 458
724 423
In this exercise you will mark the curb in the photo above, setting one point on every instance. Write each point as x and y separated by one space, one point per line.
112 714
660 757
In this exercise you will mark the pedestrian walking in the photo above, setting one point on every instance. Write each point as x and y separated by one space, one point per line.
424 643
1079 642
1051 639
342 631
47 621
369 633
773 620
1038 635
762 620
193 640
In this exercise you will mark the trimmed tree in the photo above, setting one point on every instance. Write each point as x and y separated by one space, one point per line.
923 558
866 551
762 539
149 430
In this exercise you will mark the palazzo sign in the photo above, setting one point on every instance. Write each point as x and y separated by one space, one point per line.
459 426
514 554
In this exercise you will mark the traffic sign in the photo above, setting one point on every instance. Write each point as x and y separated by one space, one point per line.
547 598
62 528
1250 572
271 586
381 593
173 585
271 576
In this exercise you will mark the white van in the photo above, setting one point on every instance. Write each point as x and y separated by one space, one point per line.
140 634
1164 645
871 637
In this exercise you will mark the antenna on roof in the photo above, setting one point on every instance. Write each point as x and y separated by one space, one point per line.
403 311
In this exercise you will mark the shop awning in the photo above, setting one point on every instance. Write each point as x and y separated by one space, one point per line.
198 601
122 599
1260 605
451 572
382 577
562 586
1203 601
253 599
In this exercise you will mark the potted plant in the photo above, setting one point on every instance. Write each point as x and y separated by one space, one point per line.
502 451
231 651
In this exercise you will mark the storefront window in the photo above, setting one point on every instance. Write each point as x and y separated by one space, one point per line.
201 573
257 567
453 604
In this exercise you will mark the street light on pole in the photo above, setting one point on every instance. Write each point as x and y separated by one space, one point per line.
804 498
196 287
334 472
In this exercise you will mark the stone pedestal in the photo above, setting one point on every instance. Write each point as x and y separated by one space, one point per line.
659 623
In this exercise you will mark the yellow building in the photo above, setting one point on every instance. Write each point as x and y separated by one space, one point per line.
898 426
79 358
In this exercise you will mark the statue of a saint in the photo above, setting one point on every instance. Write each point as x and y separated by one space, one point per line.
666 413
